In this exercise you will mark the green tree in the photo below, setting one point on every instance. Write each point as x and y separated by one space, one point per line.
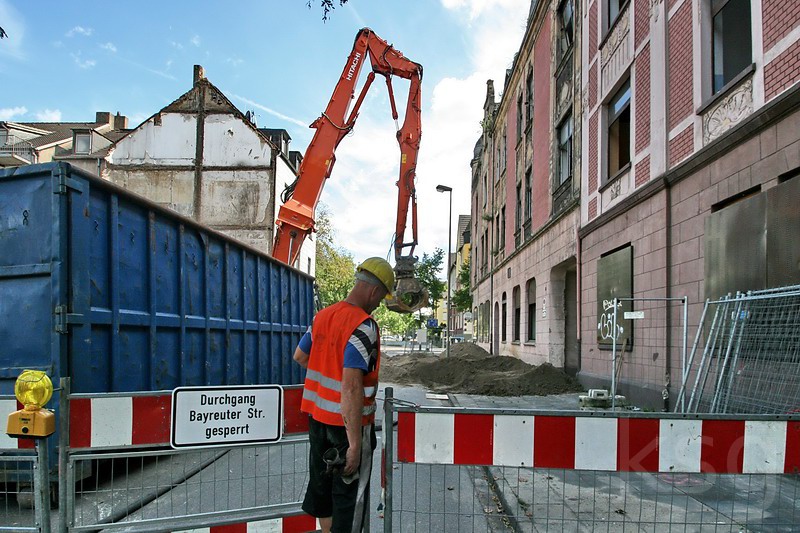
427 272
394 323
462 297
335 266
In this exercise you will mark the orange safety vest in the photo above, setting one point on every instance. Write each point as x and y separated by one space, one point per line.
322 392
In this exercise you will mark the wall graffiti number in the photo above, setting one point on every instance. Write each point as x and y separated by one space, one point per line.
606 324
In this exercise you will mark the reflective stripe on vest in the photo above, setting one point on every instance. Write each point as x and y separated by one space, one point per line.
333 384
333 407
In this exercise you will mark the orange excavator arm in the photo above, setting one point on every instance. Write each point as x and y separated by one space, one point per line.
295 219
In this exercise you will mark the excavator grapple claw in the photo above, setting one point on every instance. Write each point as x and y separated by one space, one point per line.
409 294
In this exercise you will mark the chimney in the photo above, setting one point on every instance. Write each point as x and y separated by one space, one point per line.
102 117
199 74
120 122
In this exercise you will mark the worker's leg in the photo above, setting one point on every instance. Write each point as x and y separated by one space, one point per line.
318 500
349 499
325 524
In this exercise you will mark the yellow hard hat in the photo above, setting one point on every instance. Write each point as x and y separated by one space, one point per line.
381 269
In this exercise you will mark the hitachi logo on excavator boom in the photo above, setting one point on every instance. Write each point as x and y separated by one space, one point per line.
353 66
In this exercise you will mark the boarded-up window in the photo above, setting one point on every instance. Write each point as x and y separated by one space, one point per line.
614 280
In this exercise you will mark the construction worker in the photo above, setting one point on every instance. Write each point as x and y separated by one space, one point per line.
341 351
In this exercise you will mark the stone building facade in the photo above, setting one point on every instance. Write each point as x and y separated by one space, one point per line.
691 125
205 159
525 193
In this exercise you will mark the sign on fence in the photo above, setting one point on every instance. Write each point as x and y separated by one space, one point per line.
223 416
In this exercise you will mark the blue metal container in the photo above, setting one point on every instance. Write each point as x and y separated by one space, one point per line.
119 294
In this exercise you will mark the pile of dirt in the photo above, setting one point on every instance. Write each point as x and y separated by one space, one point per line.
472 370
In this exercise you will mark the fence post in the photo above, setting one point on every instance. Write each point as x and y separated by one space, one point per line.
41 485
614 360
63 446
388 457
690 359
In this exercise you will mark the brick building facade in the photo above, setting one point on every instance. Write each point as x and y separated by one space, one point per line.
525 192
693 113
684 147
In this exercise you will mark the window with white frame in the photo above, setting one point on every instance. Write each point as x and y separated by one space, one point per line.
731 41
565 150
566 15
619 131
83 143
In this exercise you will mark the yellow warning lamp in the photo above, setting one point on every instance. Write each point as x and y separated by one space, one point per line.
33 389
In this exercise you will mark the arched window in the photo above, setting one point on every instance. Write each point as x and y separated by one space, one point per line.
517 314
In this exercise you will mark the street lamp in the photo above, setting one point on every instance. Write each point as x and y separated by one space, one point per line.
449 190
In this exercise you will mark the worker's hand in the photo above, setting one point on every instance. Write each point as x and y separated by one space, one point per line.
353 460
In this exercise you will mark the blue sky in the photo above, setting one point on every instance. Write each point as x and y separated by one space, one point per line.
66 60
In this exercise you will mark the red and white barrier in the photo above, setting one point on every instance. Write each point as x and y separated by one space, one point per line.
288 524
6 408
595 443
115 421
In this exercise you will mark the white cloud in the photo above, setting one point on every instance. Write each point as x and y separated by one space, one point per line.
149 69
174 44
110 47
7 113
82 63
48 115
195 40
80 30
235 61
476 8
362 186
266 109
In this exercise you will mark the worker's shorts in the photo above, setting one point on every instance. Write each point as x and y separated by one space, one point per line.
327 494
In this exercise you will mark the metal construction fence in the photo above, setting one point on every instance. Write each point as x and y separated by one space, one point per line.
16 502
646 334
118 473
746 355
456 469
